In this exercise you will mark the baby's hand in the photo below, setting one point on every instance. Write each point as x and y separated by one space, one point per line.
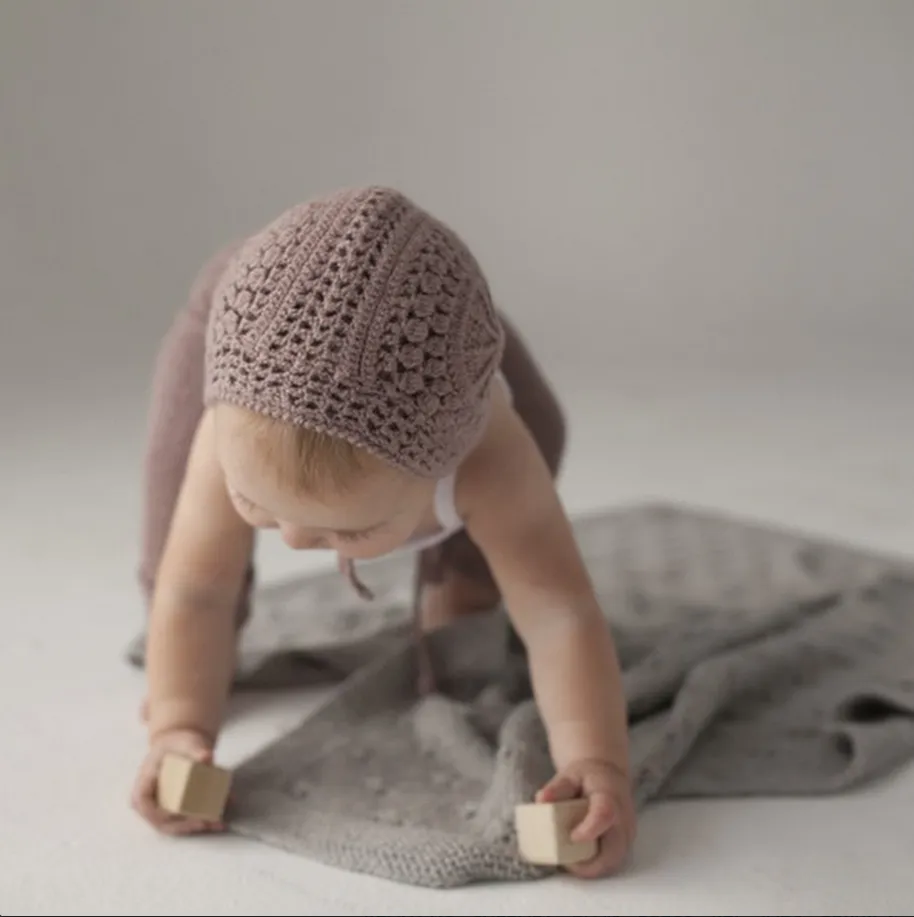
186 742
610 818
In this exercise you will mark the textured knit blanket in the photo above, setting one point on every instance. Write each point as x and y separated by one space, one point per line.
756 661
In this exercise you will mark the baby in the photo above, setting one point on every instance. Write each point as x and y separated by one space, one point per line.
343 377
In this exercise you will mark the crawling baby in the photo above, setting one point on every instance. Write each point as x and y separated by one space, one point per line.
343 376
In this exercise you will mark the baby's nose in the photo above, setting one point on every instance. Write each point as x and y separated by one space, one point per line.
299 539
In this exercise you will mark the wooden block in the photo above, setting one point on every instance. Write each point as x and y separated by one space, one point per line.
193 789
543 832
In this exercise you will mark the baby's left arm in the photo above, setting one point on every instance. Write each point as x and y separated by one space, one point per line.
514 514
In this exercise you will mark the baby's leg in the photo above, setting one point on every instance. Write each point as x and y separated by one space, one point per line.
176 405
453 578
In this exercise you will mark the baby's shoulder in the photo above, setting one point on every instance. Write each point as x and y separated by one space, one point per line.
505 453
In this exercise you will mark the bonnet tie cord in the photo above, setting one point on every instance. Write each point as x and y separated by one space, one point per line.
426 676
347 568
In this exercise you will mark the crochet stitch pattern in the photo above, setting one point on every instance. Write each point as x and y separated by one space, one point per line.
361 316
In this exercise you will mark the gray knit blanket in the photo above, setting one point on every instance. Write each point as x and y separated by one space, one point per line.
756 661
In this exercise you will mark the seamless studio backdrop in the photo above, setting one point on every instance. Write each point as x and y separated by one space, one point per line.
650 186
699 214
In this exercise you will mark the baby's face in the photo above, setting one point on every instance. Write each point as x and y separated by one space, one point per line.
378 512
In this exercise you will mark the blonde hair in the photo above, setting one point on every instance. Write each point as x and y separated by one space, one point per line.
303 459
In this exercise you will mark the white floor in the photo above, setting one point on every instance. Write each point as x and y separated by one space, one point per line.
833 456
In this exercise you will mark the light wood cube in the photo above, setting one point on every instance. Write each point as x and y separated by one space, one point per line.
544 829
193 789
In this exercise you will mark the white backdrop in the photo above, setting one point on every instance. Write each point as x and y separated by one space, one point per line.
647 184
702 215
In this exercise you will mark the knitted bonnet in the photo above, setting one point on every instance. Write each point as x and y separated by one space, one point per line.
361 316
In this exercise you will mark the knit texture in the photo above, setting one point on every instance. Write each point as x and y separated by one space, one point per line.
361 316
756 661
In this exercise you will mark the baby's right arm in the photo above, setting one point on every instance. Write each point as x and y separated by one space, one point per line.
191 640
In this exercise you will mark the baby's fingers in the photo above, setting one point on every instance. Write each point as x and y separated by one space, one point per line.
143 794
177 825
145 802
601 815
559 788
611 857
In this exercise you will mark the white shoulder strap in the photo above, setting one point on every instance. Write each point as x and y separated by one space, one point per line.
445 503
445 500
501 378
